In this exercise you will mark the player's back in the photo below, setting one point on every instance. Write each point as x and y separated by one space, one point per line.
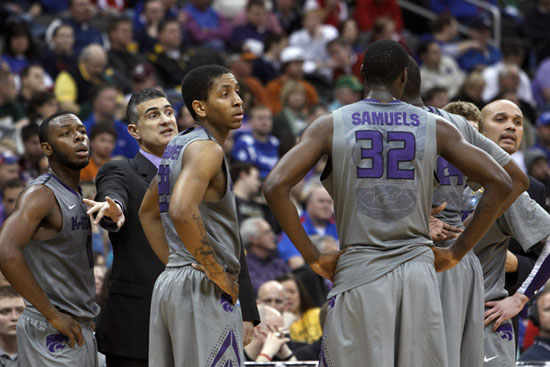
383 159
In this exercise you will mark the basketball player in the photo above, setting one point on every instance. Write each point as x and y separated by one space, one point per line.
46 254
194 319
382 155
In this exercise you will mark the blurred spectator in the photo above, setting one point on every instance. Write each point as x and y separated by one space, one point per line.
72 88
334 11
487 54
185 120
272 294
10 192
349 32
292 62
315 111
267 66
258 146
143 76
384 29
543 133
368 11
10 112
60 55
9 167
32 81
205 26
11 307
122 55
103 138
167 55
438 70
32 152
445 32
291 121
512 55
147 34
241 66
288 14
539 313
303 317
312 40
436 97
347 90
472 90
508 81
536 164
255 27
105 100
317 219
541 85
536 22
343 60
42 105
261 252
19 49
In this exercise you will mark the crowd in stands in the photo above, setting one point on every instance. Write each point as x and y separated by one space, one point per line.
294 60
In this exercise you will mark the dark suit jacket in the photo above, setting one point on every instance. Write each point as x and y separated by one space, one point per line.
123 326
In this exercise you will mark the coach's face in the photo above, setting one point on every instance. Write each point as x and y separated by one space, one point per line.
156 125
503 124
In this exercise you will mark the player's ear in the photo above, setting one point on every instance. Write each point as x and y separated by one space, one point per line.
199 108
405 74
46 148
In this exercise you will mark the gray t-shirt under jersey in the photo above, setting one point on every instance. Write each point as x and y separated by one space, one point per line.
524 220
63 265
383 159
219 217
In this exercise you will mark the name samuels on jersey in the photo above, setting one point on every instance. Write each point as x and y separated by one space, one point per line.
385 118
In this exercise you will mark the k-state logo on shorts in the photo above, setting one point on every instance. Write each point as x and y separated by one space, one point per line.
56 341
505 331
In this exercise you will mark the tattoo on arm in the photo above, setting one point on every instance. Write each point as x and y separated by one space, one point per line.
205 253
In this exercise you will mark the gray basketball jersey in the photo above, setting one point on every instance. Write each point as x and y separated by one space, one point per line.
383 159
220 217
451 181
524 220
63 265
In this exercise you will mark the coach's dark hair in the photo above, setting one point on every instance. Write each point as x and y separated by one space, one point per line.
138 98
45 125
384 62
412 86
198 82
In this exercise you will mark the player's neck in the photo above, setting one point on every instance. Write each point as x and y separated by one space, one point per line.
70 177
8 344
380 93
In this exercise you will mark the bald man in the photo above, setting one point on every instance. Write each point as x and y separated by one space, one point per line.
526 221
272 293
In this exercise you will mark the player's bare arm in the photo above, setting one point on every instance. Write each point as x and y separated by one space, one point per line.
478 166
315 142
149 216
37 216
201 179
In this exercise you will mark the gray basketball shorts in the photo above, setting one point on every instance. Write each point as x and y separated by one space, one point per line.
461 290
41 345
500 350
395 320
193 323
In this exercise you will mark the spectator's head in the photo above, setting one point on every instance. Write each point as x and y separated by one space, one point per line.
258 237
143 77
152 121
292 61
32 79
411 92
312 20
473 86
513 52
42 105
81 11
10 192
349 31
18 40
260 121
430 54
536 162
286 6
11 307
383 29
153 11
293 95
120 32
63 39
503 124
347 89
275 44
297 298
385 64
315 111
319 204
241 65
340 53
31 142
543 128
445 27
256 13
210 93
272 294
539 312
467 110
8 91
437 97
170 34
508 77
105 102
271 320
94 59
246 179
324 243
185 120
102 140
480 29
9 167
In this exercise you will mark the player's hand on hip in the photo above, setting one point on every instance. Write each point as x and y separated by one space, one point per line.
505 309
444 258
325 265
227 282
107 208
68 326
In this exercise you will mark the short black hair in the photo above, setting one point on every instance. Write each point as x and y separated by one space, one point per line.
43 133
441 22
239 167
29 131
432 92
12 184
414 79
338 42
27 70
39 99
163 23
138 98
272 39
102 128
424 46
197 83
252 3
115 21
384 62
7 291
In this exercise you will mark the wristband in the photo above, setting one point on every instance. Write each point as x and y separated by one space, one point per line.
265 356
